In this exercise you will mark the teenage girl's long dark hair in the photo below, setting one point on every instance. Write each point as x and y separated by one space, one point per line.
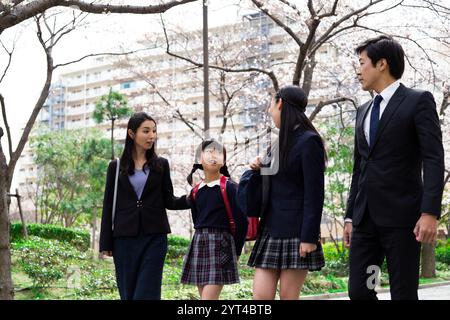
294 102
126 160
196 166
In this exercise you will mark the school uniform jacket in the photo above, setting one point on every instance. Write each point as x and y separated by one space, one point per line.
208 211
295 194
131 212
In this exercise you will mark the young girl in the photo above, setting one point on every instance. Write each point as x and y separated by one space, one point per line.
137 238
216 246
288 243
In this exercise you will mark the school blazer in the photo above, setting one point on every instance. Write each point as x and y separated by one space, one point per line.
131 212
295 195
387 177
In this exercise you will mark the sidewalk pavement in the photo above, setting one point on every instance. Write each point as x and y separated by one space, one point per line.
432 291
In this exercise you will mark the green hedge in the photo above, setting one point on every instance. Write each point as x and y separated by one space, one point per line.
178 247
80 239
443 251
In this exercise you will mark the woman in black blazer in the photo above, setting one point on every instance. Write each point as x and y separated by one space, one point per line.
137 238
288 243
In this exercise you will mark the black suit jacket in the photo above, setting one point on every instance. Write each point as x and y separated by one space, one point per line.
387 177
292 200
131 212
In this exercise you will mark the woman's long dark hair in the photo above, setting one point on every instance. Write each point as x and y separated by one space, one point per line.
126 160
294 102
200 149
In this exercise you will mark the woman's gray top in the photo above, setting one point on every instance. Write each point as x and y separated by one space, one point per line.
138 180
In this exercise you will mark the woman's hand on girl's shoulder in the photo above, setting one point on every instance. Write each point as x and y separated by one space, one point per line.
306 248
255 164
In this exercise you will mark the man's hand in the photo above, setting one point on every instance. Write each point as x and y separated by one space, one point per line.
426 228
306 248
348 227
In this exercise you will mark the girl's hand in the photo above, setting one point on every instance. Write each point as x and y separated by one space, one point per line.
107 253
256 163
307 248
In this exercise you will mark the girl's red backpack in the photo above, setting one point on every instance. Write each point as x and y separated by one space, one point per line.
253 222
253 225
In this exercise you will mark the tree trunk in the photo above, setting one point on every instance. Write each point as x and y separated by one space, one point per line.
94 233
6 286
308 74
24 225
428 262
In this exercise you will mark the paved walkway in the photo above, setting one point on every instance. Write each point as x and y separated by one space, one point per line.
426 292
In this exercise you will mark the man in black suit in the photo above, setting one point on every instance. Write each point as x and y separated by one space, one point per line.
397 183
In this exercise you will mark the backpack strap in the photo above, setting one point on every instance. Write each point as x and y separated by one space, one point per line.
116 181
195 190
223 191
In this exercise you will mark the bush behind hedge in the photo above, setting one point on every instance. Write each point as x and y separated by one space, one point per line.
78 238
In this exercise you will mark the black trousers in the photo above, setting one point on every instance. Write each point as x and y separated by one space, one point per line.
370 244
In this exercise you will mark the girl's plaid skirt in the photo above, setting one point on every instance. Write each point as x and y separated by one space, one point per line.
283 253
211 258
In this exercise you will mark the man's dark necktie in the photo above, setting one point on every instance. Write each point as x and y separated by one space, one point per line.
374 119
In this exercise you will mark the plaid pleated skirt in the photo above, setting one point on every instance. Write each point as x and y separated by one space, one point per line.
283 253
211 258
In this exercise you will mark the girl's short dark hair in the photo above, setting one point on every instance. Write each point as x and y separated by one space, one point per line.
385 47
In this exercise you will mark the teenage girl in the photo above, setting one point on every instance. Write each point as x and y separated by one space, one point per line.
288 244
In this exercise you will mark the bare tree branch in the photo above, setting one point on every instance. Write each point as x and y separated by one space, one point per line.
286 28
178 115
269 73
99 54
5 120
37 108
332 11
445 102
447 177
343 19
322 104
10 53
13 15
292 6
312 12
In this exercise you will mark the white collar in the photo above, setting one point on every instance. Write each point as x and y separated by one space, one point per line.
389 91
209 184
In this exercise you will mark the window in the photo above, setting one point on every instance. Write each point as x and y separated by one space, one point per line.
127 85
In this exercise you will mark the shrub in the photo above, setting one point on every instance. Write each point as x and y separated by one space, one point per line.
443 251
97 283
77 238
336 263
178 247
46 261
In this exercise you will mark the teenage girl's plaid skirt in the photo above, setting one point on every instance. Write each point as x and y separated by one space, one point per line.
283 253
211 258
